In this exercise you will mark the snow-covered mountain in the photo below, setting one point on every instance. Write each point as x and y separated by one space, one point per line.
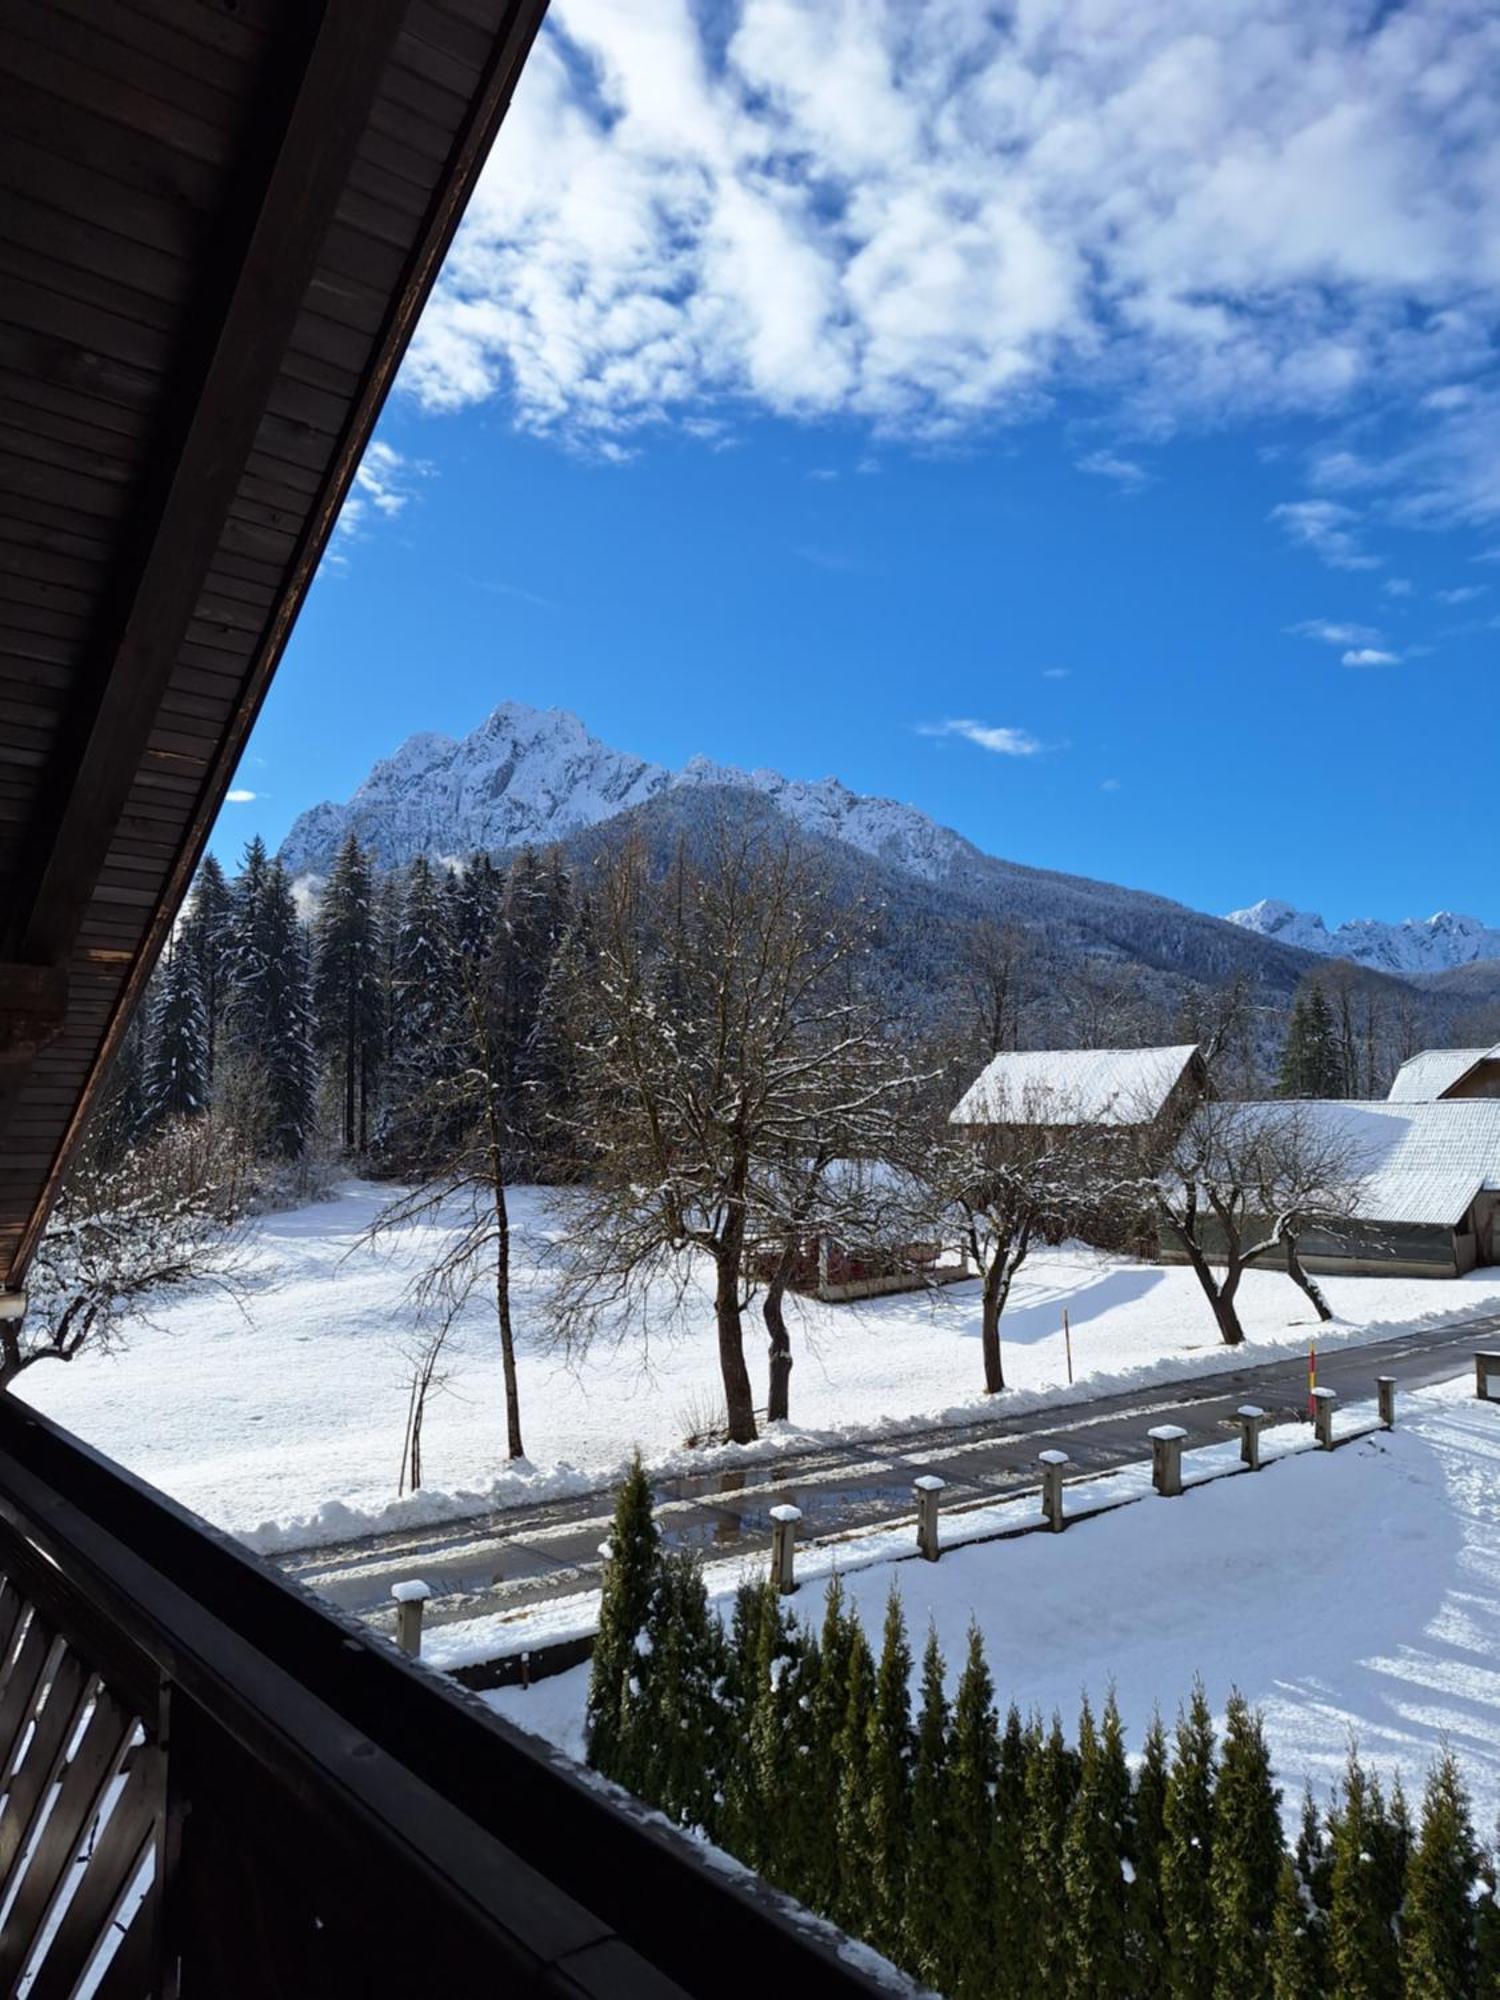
528 777
1416 944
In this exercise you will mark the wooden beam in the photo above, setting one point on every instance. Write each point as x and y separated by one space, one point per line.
234 348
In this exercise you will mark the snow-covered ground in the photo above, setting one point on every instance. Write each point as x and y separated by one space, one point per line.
283 1420
1351 1597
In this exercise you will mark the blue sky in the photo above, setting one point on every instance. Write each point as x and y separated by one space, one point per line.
1082 423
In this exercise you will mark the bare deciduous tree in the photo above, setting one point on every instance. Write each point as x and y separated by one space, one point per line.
1245 1181
129 1226
721 1058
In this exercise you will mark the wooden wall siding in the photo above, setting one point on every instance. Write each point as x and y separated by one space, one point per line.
138 142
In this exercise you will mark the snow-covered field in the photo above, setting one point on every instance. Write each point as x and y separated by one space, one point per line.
283 1420
1351 1597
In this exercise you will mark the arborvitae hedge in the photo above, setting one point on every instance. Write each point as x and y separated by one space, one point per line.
994 1862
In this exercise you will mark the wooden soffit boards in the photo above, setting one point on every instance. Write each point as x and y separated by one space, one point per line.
218 224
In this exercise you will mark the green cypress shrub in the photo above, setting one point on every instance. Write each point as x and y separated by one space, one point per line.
1148 1924
1093 1863
973 1768
852 1904
1292 1970
682 1720
1247 1856
1009 1902
1187 1855
888 1784
928 1927
1437 1946
829 1699
614 1743
1051 1783
1362 1954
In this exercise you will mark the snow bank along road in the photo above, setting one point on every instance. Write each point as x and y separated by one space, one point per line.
518 1557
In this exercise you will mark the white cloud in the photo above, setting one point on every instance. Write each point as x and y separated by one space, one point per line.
240 797
1329 529
382 486
1125 472
1056 673
936 217
1109 785
1464 594
1002 741
1371 656
1334 634
1397 586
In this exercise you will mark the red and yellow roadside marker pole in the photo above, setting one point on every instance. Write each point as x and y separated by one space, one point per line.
1312 1383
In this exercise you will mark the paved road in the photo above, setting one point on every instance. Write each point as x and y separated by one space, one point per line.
526 1554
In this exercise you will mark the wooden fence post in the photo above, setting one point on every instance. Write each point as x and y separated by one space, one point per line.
1251 1417
1166 1459
1052 1464
928 1487
410 1598
1385 1390
1323 1402
1487 1376
783 1547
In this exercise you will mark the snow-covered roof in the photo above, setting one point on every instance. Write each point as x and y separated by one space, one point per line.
1426 1077
1074 1086
1420 1164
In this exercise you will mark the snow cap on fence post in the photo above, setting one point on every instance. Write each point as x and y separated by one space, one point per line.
1385 1391
1052 1464
927 1488
783 1547
1166 1458
1323 1402
410 1597
1251 1418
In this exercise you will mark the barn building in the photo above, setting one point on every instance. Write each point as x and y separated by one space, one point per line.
1443 1075
1146 1093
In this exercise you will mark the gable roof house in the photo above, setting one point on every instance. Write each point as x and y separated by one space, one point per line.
1117 1090
1446 1074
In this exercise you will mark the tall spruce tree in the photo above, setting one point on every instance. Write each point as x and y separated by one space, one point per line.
1363 1961
267 1026
1094 1861
929 1926
208 933
1312 1063
347 988
1247 1856
1187 1855
418 1049
973 1770
888 1765
614 1744
1438 1920
178 1070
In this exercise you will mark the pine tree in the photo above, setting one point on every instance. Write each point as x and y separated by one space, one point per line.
824 1775
1314 1872
177 1073
851 1904
1441 1879
208 933
267 1026
1312 1063
1362 1955
1094 1861
1187 1855
1247 1856
1487 1925
1012 1937
888 1784
346 987
1292 1970
1148 1926
121 1117
630 1580
418 1047
973 1769
1051 1783
928 1926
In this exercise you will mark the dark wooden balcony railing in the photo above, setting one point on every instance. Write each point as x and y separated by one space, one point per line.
211 1785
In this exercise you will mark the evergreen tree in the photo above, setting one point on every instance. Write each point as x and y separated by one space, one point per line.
824 1776
1148 1927
973 1769
177 1073
1314 1872
851 1905
888 1785
611 1712
928 1887
121 1117
1187 1855
267 1025
1247 1856
1293 1967
208 933
346 987
682 1728
1362 1954
418 1046
1312 1063
1438 1918
1487 1926
761 1785
1051 1782
1010 1904
1094 1862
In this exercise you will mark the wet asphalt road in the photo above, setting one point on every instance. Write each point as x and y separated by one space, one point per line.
522 1555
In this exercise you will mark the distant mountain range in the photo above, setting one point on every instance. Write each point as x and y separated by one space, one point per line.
531 777
1415 945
